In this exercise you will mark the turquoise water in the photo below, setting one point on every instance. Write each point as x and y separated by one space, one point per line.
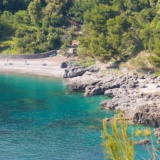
41 120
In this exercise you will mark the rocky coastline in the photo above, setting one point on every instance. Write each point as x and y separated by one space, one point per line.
136 95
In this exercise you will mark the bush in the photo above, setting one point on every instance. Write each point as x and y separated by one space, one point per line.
117 144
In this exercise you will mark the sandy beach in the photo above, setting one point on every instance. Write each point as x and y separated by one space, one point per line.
43 67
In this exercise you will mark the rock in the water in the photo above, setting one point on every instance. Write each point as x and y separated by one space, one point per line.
144 141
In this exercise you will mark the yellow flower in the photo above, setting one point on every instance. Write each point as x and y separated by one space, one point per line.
146 132
138 132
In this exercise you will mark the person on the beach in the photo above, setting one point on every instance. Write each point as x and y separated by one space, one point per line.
26 63
6 62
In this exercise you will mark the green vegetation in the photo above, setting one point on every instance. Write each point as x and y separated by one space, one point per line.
35 26
112 29
118 144
120 29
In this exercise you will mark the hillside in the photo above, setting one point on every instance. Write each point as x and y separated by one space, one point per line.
112 29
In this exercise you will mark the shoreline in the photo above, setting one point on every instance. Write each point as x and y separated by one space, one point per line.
44 72
46 67
136 95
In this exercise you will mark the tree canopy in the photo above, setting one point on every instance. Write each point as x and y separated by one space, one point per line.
111 28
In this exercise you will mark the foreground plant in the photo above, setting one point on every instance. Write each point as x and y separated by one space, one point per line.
118 145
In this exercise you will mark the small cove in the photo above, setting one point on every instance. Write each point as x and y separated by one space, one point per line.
40 119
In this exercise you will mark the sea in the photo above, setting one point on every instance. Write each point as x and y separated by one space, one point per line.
40 119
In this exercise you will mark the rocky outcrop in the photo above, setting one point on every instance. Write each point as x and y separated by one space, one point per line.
76 71
147 114
137 96
63 65
137 107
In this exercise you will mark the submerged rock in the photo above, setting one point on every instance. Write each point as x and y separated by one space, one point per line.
144 141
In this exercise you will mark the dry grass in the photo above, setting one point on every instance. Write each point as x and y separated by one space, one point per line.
140 61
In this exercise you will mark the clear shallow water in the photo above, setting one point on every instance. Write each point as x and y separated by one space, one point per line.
41 120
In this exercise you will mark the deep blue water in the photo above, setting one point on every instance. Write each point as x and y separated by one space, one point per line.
41 120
